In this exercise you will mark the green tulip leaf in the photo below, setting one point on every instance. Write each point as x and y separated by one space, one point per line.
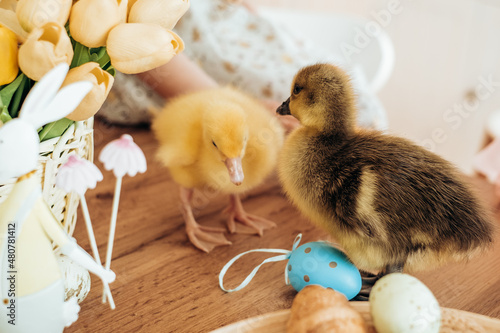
19 96
4 115
55 129
8 91
104 59
81 55
111 70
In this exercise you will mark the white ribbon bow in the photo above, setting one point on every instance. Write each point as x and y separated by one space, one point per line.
285 256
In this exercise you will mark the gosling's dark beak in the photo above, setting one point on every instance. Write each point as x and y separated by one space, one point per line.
284 108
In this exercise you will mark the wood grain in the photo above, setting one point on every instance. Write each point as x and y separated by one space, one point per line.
164 284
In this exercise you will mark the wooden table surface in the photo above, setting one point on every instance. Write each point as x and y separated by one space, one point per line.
164 284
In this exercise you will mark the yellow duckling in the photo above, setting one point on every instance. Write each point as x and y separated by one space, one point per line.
218 139
389 203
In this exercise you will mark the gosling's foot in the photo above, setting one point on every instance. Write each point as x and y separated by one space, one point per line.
368 281
252 224
206 238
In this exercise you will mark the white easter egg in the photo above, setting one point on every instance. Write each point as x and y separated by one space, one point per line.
400 303
76 279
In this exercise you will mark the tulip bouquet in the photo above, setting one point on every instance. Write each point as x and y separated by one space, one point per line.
92 36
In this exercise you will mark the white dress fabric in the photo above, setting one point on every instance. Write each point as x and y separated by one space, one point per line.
240 48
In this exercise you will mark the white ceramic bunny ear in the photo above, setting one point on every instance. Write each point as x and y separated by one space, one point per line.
44 90
19 147
66 100
45 104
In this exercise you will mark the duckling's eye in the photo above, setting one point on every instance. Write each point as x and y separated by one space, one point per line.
297 89
214 144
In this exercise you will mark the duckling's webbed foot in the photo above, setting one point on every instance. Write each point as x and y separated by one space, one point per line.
203 237
254 224
369 280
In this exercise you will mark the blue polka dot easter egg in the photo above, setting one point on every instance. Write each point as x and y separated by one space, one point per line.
320 263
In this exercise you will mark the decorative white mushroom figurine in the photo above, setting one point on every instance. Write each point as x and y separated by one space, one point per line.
122 156
77 175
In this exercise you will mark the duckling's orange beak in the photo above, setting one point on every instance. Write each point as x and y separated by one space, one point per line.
235 170
284 109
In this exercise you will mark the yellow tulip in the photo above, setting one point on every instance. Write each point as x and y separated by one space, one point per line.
102 82
130 4
162 12
45 48
36 13
8 56
8 4
139 47
9 20
91 20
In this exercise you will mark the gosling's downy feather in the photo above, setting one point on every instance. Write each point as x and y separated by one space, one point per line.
386 200
197 131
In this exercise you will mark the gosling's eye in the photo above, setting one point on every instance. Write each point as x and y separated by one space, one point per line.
214 144
297 89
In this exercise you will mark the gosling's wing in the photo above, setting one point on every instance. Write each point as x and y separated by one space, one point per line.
183 153
178 130
420 197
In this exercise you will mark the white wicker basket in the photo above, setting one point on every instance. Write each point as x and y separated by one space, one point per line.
79 139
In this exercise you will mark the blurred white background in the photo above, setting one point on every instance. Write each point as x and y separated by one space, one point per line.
446 75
